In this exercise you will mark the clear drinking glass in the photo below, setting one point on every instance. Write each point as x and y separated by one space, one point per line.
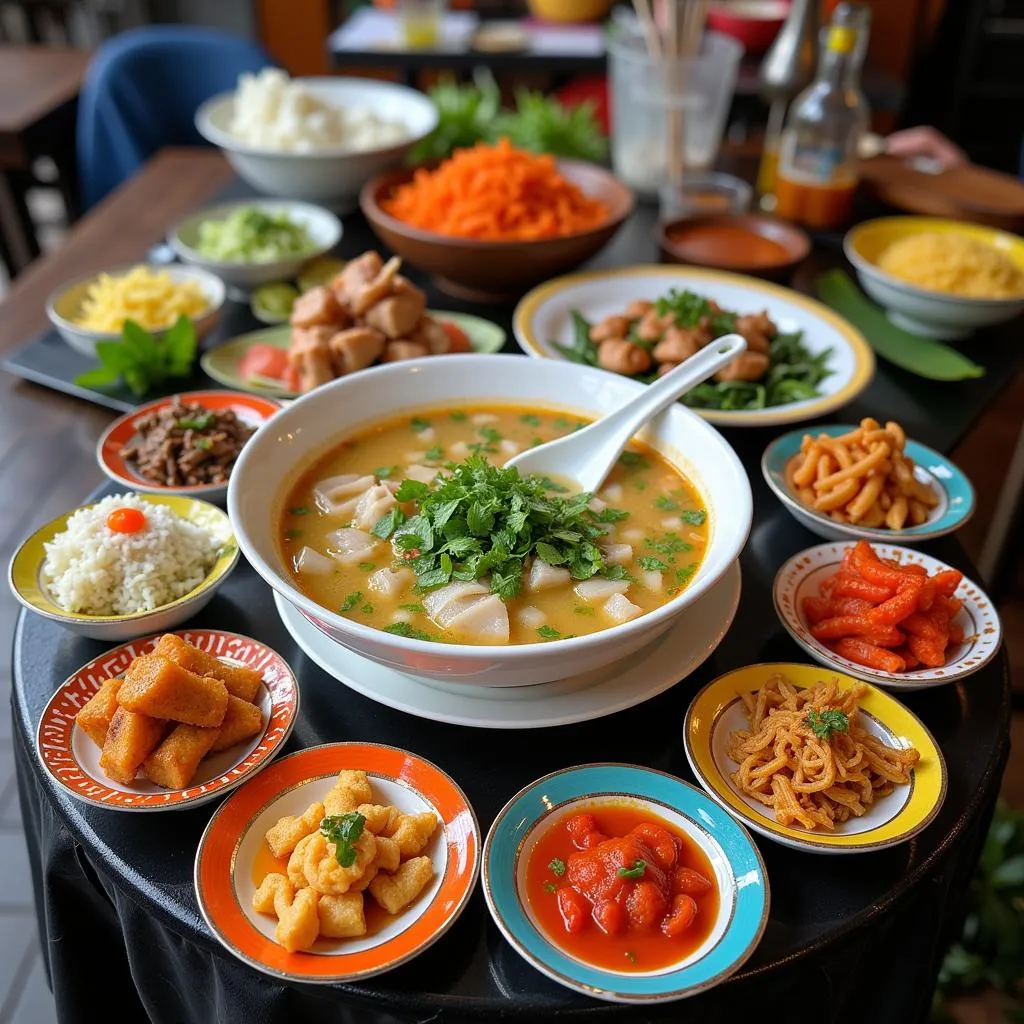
646 92
420 22
704 192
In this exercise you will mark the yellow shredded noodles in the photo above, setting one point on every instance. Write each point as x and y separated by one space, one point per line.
152 300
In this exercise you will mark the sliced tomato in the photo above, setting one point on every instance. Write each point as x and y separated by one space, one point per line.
458 337
263 361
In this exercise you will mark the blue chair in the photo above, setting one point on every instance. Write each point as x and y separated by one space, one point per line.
141 93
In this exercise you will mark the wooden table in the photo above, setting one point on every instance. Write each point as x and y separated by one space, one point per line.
38 99
47 440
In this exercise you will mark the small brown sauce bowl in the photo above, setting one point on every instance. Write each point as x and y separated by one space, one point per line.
747 243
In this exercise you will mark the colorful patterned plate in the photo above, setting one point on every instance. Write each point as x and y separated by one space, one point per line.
25 576
956 495
802 575
251 409
222 362
544 316
717 711
739 872
224 862
71 759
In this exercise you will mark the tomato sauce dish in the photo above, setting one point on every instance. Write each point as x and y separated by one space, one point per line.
626 898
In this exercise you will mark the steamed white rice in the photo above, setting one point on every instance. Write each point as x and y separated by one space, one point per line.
93 570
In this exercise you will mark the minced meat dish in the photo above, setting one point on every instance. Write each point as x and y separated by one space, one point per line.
187 445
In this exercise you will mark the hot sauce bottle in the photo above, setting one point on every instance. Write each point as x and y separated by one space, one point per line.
817 164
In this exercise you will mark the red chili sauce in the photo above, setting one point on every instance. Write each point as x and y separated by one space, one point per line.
727 245
620 888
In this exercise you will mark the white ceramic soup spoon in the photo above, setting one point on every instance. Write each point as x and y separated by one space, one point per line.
588 455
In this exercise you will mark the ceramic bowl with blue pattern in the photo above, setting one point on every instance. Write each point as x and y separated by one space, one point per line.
956 495
739 872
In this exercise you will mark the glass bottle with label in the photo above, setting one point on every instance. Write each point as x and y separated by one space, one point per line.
817 167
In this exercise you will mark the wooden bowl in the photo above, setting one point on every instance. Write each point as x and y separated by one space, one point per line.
791 245
477 269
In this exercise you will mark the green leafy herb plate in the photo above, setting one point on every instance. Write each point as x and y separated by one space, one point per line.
222 362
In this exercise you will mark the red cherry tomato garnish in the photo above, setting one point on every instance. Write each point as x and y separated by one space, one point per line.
126 520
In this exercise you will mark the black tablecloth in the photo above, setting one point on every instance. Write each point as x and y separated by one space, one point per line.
850 938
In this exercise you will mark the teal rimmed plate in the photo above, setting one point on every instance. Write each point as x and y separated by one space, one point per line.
956 495
739 874
222 362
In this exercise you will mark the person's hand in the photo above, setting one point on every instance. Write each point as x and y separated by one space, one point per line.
925 141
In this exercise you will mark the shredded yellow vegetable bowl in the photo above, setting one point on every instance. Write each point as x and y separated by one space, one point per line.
152 300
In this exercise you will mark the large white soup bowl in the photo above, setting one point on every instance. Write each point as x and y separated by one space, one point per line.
287 445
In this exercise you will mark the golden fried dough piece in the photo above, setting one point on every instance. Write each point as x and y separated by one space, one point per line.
95 715
342 917
326 875
413 831
351 789
173 764
296 872
285 834
157 687
397 891
263 898
241 682
298 923
379 818
130 739
242 721
389 856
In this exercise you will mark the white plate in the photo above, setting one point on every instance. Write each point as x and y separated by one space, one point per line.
802 576
544 315
657 668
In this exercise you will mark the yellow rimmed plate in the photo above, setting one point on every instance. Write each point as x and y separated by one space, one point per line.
25 576
544 316
717 711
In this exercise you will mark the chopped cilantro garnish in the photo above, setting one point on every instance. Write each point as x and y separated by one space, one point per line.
367 566
557 867
383 472
351 600
419 424
824 723
651 563
665 503
561 423
293 534
490 435
670 545
458 416
298 510
434 453
530 418
485 521
550 887
694 517
367 609
633 460
413 608
548 633
404 629
343 830
583 609
683 575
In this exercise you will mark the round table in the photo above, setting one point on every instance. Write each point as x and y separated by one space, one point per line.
849 938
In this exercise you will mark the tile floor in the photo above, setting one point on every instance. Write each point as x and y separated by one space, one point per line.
24 995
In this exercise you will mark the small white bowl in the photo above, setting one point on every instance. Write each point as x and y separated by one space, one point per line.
296 436
918 310
25 576
323 228
64 304
331 176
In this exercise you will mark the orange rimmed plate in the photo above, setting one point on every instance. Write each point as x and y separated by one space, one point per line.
234 839
253 410
71 759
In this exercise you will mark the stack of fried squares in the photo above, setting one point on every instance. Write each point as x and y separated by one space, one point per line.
169 710
318 896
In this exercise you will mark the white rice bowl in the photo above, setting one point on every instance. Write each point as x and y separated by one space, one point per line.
90 569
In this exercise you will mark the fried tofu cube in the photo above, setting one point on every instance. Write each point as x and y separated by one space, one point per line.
342 917
413 832
389 855
242 721
95 715
351 789
298 923
159 688
241 682
363 882
379 817
263 898
283 836
130 739
395 892
173 764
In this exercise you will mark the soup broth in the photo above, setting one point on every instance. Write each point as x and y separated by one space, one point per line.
336 541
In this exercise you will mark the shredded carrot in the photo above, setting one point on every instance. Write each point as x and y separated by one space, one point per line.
497 193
